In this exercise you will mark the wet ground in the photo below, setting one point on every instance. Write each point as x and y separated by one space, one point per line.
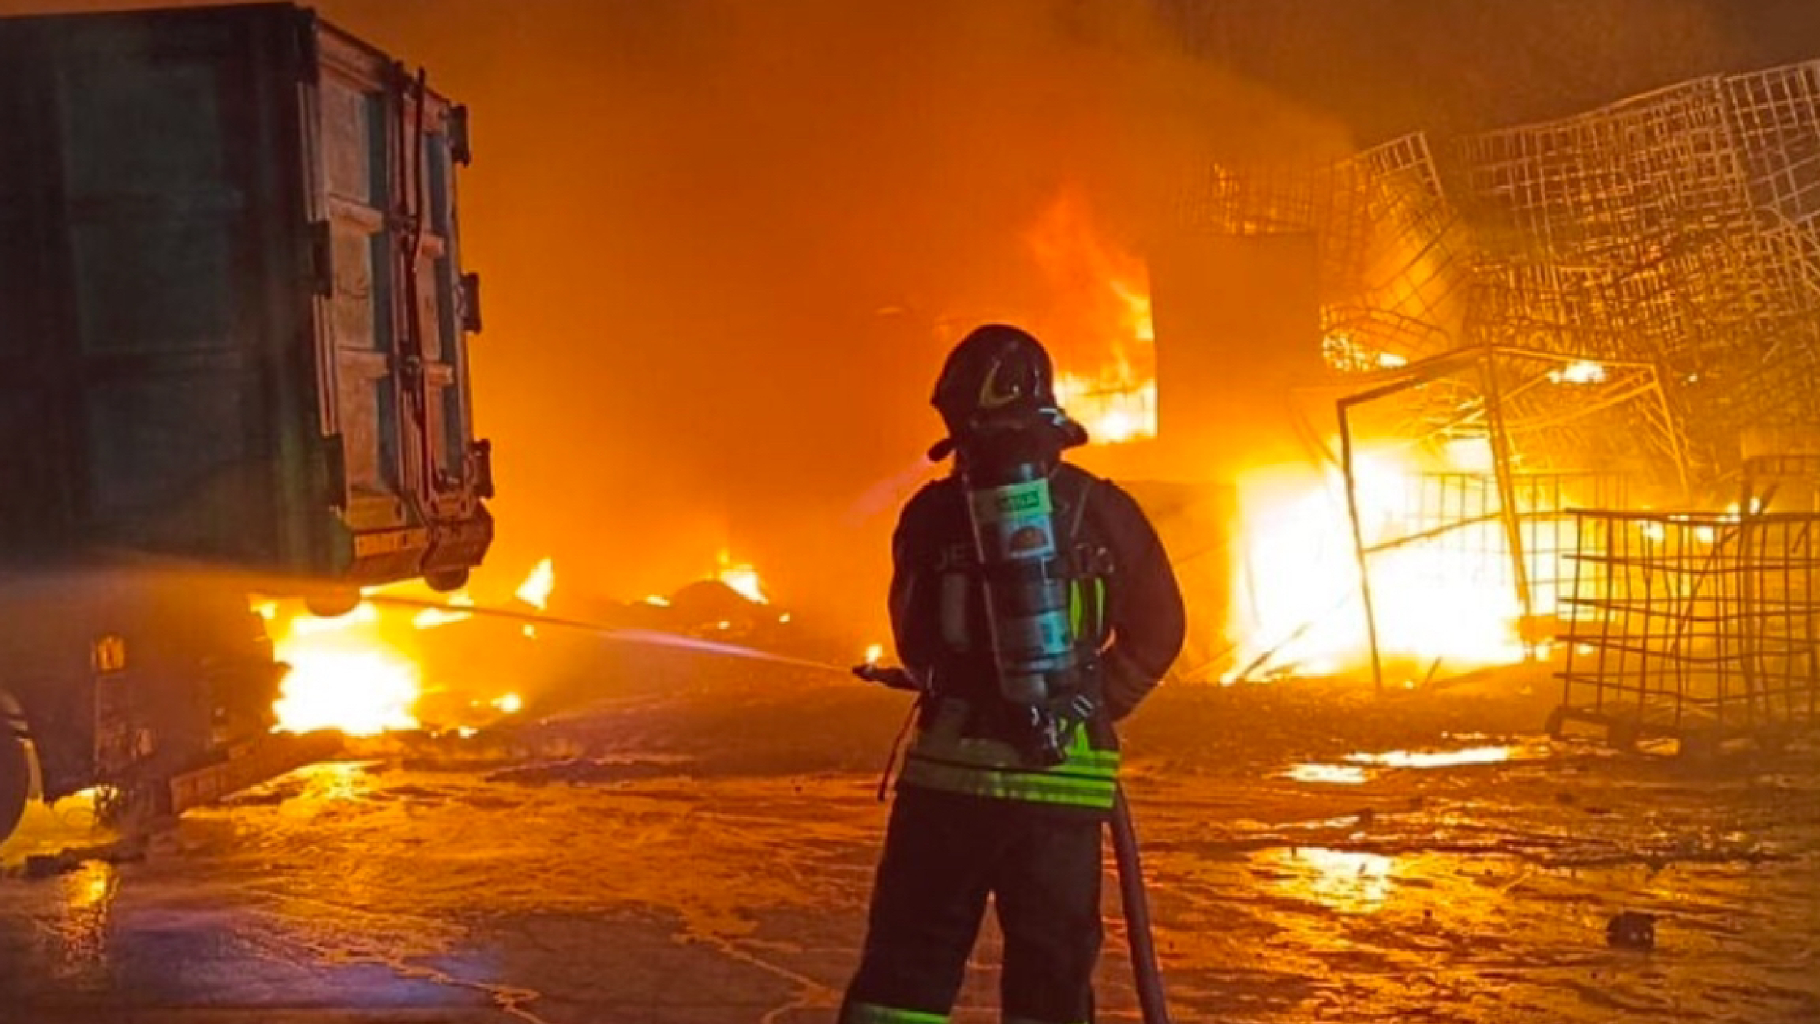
701 850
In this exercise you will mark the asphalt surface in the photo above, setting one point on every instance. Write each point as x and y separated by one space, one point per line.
701 851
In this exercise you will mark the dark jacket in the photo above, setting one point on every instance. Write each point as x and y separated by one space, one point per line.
1140 618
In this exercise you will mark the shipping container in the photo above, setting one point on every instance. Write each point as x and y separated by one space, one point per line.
234 320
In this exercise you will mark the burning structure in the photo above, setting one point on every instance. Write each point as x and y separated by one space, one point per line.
1616 311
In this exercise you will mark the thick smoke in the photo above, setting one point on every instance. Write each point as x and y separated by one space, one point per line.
726 243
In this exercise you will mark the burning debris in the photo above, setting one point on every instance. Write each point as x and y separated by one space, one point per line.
363 673
1100 324
1586 313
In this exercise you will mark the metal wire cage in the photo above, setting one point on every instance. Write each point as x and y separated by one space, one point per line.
1699 626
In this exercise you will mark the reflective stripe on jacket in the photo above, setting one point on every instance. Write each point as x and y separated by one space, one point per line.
1124 606
943 758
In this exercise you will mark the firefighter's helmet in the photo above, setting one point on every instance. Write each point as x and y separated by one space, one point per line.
1000 377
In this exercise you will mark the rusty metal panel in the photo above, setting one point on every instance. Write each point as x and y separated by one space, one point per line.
222 333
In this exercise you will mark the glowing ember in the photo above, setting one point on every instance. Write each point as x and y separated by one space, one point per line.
535 590
344 676
510 704
1582 372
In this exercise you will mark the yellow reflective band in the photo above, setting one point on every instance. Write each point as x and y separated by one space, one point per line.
870 1013
1087 609
1026 787
997 754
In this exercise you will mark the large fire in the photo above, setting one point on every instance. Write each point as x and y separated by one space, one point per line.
1298 607
1296 603
360 673
1101 325
344 674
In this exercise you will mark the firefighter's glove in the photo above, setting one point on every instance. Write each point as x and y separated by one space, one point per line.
894 676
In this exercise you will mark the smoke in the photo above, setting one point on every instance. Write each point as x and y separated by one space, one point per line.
726 244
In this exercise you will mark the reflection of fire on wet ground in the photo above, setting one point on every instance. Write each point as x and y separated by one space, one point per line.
730 832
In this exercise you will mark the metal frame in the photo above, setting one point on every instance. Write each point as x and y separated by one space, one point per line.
1526 449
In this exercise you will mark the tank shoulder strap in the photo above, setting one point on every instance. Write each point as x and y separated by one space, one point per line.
1083 486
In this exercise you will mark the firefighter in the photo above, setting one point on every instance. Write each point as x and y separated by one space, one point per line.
998 796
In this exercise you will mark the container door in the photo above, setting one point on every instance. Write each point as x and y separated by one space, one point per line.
358 336
396 318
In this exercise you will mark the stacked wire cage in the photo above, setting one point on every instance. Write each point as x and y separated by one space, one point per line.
1698 626
1679 227
1392 254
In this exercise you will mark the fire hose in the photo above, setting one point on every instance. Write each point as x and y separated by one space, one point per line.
1134 900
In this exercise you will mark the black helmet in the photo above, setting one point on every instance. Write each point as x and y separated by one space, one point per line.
999 377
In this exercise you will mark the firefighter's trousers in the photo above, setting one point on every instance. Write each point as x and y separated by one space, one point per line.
944 854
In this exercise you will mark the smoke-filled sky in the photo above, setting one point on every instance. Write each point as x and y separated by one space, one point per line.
726 242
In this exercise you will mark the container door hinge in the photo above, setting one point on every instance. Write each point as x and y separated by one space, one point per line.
322 259
461 147
308 43
481 454
470 303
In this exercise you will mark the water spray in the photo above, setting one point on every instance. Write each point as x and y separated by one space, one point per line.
621 634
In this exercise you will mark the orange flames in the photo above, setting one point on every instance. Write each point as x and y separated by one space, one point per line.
1298 608
345 674
359 673
742 578
1101 326
535 590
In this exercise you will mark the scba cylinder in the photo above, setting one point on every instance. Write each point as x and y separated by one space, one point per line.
1014 532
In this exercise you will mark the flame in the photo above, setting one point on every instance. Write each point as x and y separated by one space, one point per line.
743 579
1341 351
1582 372
1113 410
874 652
1297 578
1101 326
535 590
344 675
358 673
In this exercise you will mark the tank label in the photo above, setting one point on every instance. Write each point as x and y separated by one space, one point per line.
1015 522
1014 500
